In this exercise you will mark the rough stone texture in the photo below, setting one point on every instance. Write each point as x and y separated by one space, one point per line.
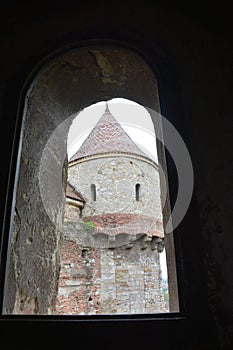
79 285
115 178
131 281
120 280
35 241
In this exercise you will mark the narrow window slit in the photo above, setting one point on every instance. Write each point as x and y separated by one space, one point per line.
93 192
137 192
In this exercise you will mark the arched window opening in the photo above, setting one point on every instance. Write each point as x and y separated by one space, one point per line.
115 146
93 192
137 192
105 145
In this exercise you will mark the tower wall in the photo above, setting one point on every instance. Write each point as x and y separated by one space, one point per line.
115 179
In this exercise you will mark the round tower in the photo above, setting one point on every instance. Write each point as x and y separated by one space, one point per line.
113 229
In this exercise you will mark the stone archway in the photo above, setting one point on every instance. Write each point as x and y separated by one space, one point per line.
70 82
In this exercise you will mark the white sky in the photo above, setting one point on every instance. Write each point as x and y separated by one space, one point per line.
135 120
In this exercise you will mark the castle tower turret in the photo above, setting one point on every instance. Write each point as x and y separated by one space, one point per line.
116 229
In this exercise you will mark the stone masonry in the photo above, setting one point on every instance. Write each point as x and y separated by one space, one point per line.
113 231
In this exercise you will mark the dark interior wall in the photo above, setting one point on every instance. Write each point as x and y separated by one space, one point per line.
201 51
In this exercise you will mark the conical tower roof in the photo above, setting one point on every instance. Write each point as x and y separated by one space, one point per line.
107 136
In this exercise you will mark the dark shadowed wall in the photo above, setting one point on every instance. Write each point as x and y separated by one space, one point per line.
198 47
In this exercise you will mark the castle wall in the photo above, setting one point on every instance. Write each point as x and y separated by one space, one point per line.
100 276
115 179
130 280
109 281
79 282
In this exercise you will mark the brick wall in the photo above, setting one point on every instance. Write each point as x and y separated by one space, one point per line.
110 281
79 283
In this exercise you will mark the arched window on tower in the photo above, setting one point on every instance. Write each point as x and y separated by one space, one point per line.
137 192
93 192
